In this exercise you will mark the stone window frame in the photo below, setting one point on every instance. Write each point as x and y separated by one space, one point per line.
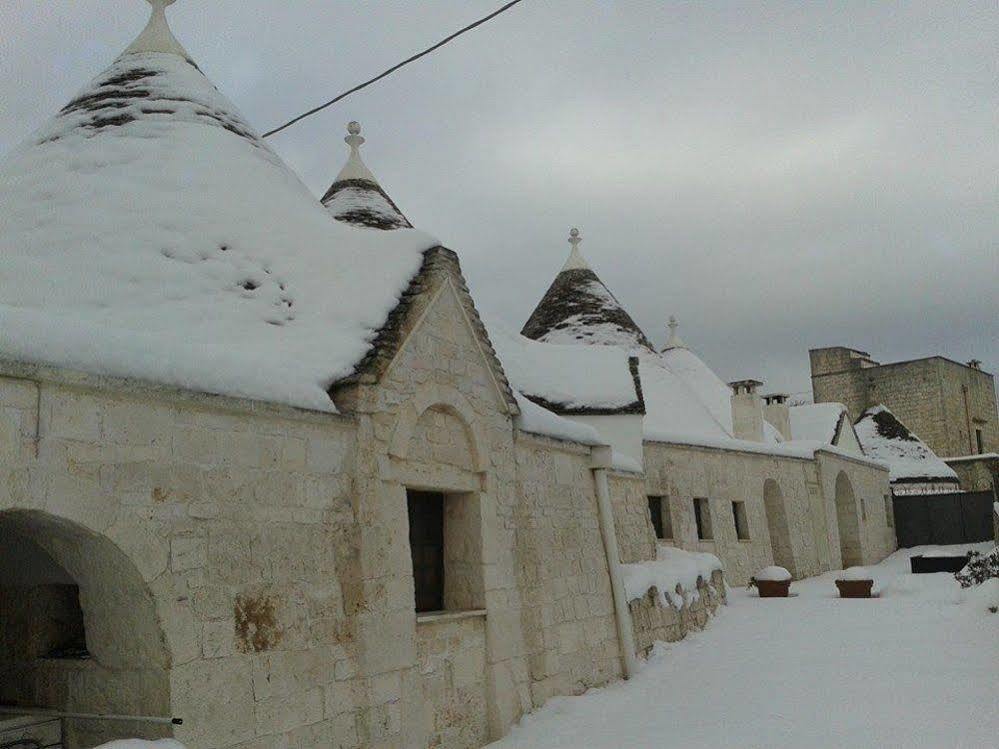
889 510
455 484
659 504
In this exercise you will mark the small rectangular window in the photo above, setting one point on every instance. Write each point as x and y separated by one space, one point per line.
702 516
662 522
426 544
741 521
656 513
980 441
889 512
863 509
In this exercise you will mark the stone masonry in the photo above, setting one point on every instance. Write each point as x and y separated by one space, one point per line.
946 403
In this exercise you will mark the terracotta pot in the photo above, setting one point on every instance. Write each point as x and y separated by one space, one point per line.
773 588
854 588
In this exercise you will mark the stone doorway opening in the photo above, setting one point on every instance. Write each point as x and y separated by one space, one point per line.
78 630
847 518
780 535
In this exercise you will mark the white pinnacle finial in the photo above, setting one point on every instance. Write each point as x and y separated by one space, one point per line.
157 37
575 261
674 341
355 168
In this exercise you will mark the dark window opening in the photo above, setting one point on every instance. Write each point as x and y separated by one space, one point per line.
656 513
741 520
662 522
980 441
702 517
426 543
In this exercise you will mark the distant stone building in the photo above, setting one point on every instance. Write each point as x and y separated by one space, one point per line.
951 406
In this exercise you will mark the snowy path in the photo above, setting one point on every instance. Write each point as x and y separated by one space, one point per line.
914 668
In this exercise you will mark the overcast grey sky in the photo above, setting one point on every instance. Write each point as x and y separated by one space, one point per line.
780 176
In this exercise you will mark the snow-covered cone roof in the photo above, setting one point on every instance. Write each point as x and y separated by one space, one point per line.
355 197
818 422
909 459
568 379
146 231
578 308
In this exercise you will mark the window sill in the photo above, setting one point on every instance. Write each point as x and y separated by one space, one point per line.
437 617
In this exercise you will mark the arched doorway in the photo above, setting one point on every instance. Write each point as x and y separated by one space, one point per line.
780 536
80 631
848 522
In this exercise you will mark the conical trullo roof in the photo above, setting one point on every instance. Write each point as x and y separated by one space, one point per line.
355 197
147 231
579 308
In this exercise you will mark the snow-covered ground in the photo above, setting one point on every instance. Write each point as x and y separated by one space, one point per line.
917 667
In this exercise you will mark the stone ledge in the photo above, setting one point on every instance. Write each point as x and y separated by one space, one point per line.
439 617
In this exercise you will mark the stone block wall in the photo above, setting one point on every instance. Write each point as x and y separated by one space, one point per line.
876 532
652 621
209 543
942 401
563 582
452 665
636 538
682 473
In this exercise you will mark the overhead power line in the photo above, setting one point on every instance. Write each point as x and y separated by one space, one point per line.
394 68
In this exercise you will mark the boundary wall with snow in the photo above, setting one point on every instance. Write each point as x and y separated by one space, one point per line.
792 517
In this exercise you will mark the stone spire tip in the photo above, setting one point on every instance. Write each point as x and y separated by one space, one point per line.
674 340
157 37
575 261
355 167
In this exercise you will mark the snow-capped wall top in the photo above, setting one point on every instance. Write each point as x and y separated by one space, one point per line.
146 231
355 197
816 421
909 459
578 308
566 379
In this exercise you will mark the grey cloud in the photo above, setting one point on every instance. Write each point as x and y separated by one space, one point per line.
778 175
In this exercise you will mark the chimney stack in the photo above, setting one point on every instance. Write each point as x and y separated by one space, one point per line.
975 363
747 410
776 411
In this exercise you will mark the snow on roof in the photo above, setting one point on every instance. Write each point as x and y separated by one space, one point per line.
885 438
146 231
673 411
355 197
580 379
578 308
703 383
816 421
537 420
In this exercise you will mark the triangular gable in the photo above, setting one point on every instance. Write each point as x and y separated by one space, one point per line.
439 271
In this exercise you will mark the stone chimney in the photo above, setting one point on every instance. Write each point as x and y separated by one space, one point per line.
747 410
776 411
975 363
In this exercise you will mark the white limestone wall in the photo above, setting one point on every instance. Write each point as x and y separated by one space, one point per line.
234 523
683 473
566 612
870 486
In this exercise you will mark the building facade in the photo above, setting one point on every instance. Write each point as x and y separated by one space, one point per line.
950 406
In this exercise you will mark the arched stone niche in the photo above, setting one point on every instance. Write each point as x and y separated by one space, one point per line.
73 587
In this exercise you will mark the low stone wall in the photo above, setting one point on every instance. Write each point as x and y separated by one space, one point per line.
652 621
451 655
